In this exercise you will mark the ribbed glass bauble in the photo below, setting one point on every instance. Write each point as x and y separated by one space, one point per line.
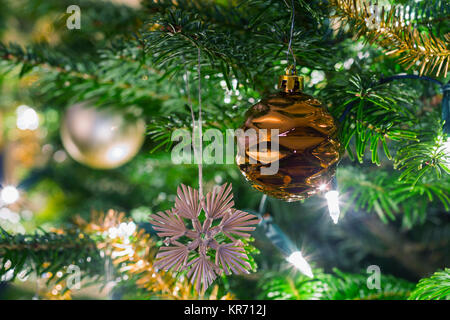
308 147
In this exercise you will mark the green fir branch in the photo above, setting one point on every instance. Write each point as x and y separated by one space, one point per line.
337 286
436 287
387 196
47 253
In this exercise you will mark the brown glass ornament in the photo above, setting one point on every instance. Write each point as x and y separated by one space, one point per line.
308 147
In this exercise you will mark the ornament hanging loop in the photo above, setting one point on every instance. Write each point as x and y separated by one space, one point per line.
290 82
291 34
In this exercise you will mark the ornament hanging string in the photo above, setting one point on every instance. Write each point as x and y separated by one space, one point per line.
200 157
198 147
37 287
188 93
291 34
109 277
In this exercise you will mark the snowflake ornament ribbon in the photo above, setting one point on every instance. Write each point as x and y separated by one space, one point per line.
206 238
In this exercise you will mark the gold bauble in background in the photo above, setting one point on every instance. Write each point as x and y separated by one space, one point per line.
100 138
308 147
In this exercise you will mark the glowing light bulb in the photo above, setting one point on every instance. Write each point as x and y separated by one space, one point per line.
297 260
9 194
332 197
27 118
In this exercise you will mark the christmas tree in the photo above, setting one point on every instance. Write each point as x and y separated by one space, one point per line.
128 169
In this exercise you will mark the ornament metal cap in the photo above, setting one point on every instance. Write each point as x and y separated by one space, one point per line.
290 82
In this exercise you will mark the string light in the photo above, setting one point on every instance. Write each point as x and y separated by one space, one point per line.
332 197
9 194
280 240
298 261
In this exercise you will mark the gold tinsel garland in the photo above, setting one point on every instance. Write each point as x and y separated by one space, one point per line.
396 35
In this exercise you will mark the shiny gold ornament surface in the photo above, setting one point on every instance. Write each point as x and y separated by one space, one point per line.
308 147
100 138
